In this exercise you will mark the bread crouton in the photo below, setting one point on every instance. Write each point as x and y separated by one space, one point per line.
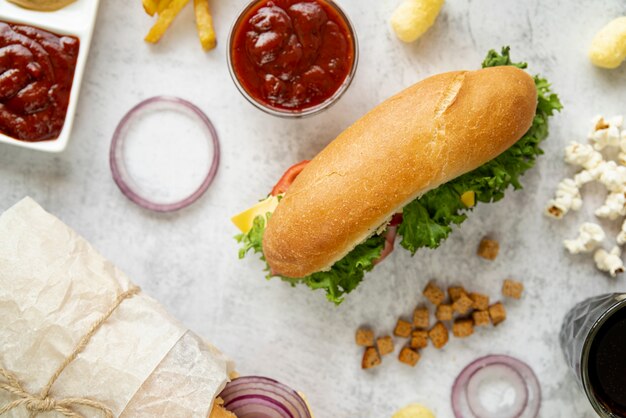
434 293
438 334
385 345
497 313
481 318
488 249
403 329
364 337
444 312
371 358
408 356
455 292
479 301
463 327
463 304
512 289
419 339
421 318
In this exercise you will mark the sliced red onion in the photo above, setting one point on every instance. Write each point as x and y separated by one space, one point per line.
497 391
390 237
143 190
260 397
496 386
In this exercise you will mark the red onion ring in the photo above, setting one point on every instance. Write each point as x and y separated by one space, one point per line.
120 172
390 238
260 397
518 376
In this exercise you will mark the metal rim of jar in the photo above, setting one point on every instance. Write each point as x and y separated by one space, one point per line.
306 111
584 360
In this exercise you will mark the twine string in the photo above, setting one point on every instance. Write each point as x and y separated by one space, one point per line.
43 402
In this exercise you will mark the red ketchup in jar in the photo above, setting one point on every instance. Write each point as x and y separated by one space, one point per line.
293 55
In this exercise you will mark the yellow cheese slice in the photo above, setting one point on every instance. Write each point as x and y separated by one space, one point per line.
469 199
414 411
244 220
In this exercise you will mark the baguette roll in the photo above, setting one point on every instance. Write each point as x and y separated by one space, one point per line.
432 132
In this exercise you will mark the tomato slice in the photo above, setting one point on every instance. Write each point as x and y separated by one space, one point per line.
288 178
396 219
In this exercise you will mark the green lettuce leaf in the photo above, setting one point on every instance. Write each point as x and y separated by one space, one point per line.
253 240
428 220
343 277
493 59
346 274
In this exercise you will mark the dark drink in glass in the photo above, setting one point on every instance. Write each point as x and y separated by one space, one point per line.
593 339
607 364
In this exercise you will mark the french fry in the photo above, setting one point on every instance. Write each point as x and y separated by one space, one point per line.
165 19
162 5
150 6
204 23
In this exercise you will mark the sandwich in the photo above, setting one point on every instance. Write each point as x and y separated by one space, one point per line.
410 170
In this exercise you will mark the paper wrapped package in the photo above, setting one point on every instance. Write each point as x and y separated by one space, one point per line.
138 363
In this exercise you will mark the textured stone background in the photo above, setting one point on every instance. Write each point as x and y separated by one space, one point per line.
188 260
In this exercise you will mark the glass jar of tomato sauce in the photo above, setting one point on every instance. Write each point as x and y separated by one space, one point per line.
292 58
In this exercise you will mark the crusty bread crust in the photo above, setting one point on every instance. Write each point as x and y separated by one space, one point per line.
219 412
430 133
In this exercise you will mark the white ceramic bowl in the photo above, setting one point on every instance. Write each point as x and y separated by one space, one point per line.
77 19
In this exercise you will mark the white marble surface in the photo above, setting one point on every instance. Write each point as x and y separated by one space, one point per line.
188 260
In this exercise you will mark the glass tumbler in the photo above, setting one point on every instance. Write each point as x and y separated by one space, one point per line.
579 330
